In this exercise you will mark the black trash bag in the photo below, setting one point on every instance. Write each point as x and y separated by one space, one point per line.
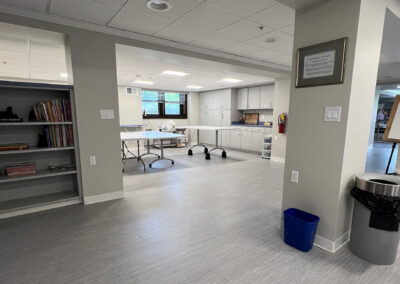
385 210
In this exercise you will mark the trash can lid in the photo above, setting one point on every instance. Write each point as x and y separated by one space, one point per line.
379 183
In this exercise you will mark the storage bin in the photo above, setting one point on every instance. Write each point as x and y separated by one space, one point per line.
267 146
299 229
267 139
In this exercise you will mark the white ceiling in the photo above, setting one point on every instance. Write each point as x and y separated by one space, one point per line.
230 26
143 64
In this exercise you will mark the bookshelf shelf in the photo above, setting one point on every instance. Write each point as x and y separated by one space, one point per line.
50 103
36 150
38 175
35 123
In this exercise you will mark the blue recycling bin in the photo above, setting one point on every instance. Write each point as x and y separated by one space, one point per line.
299 229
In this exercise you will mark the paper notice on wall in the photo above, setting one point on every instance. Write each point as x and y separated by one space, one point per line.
319 65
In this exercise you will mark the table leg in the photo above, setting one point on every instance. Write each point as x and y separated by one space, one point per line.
223 155
148 151
162 155
190 151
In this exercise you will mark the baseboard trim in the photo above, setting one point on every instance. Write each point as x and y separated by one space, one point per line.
39 208
278 159
103 197
332 246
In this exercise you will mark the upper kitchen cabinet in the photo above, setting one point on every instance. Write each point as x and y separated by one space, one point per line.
242 99
254 98
267 97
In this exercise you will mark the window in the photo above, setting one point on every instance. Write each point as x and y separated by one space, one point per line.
156 104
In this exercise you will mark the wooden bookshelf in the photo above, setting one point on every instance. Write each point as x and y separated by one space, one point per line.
17 192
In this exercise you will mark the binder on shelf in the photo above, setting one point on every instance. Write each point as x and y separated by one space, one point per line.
21 169
59 136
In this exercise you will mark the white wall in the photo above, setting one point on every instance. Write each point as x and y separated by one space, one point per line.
373 119
281 104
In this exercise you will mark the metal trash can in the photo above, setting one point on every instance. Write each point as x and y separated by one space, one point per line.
374 232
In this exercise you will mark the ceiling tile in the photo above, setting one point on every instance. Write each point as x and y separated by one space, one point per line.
180 33
214 42
207 18
37 5
265 54
277 16
288 30
137 22
286 48
280 38
178 8
242 8
85 10
283 60
242 30
242 49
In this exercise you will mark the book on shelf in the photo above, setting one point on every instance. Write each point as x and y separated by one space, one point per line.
59 136
56 110
13 146
21 169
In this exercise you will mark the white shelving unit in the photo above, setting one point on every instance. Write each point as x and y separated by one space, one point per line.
266 148
46 186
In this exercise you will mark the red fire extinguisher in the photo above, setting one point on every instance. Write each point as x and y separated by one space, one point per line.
282 118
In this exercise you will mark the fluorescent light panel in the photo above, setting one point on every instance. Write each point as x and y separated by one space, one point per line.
174 73
194 87
64 75
231 80
143 82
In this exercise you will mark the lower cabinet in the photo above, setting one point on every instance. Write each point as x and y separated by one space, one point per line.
246 140
257 141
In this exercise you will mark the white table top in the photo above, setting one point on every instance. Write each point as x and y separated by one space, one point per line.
149 135
132 125
204 127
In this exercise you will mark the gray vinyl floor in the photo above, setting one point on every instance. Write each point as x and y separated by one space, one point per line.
209 222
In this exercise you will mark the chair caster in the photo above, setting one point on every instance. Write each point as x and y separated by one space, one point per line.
223 154
150 165
205 150
172 162
208 157
190 152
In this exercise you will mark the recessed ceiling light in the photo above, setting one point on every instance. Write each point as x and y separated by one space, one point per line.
194 87
174 73
64 75
231 80
271 39
398 87
159 5
143 82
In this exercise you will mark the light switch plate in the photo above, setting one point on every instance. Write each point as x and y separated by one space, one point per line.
294 176
107 114
332 113
92 160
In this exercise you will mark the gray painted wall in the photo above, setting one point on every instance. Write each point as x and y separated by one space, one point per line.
328 155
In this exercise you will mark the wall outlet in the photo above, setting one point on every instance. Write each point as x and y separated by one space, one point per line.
332 113
294 176
92 160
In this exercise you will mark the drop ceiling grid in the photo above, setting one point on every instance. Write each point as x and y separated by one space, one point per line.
229 15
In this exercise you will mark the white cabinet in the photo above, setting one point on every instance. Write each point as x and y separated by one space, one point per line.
267 97
254 98
242 99
203 101
257 141
223 99
245 143
235 139
226 138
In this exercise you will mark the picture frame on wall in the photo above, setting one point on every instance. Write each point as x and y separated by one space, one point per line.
321 64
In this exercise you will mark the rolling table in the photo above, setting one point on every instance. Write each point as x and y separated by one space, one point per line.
206 128
145 136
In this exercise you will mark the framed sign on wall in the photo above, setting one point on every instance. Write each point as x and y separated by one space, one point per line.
321 64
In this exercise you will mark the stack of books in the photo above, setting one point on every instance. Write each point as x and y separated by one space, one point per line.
13 146
21 169
53 111
59 136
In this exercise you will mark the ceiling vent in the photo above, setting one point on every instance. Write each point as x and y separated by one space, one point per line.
132 91
159 5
